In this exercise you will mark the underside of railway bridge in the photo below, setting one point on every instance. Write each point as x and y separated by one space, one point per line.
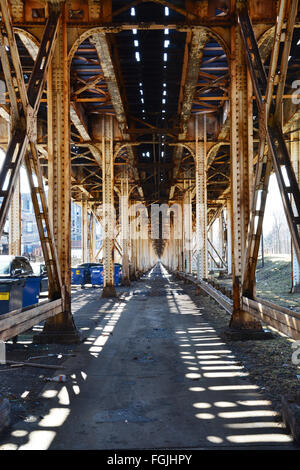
157 118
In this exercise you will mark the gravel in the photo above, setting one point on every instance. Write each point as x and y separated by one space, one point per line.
268 362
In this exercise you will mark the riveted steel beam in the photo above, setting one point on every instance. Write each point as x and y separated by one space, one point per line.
102 46
23 131
60 328
108 207
192 58
84 232
271 131
187 222
241 172
124 205
201 199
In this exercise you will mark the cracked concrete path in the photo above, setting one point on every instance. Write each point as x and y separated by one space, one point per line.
153 374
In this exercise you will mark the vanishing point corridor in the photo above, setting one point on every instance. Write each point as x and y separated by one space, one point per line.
153 374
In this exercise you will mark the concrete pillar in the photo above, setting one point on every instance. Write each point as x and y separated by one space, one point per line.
241 138
201 198
14 244
108 206
60 328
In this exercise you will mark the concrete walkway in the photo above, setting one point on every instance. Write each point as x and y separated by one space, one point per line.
153 374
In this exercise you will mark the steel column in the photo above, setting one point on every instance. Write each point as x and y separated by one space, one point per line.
201 200
14 246
108 206
84 232
60 328
124 216
241 172
188 225
295 157
229 242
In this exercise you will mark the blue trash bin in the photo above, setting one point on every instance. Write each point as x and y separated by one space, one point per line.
11 294
118 274
31 290
78 276
96 275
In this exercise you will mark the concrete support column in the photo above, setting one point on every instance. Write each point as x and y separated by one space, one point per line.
295 157
188 223
124 215
14 245
60 328
201 199
241 138
108 207
84 232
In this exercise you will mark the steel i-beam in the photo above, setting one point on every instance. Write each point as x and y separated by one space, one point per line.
241 173
201 201
60 328
108 206
124 204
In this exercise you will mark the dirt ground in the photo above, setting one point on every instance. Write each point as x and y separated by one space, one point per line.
268 362
273 281
23 385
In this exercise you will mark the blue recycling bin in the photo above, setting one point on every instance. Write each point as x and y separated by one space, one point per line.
118 274
78 276
96 275
11 294
31 290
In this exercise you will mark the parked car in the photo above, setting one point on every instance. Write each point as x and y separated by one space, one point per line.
19 267
14 266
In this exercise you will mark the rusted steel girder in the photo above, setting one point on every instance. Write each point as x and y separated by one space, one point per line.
187 221
24 122
14 244
101 44
124 205
271 130
201 199
84 232
241 172
60 328
108 206
190 71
